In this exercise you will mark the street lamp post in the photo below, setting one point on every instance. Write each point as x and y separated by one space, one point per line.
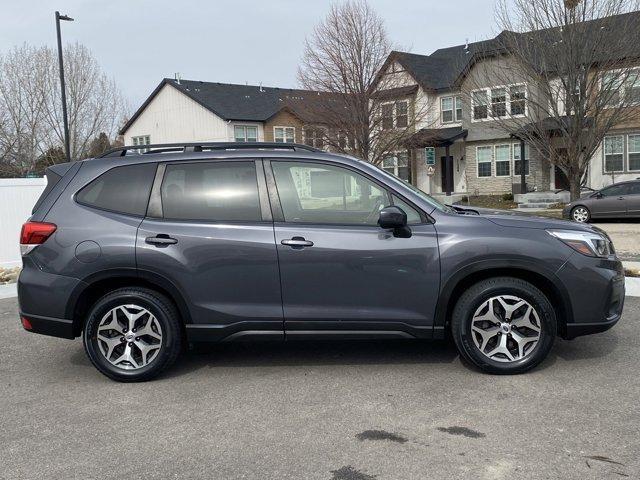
67 148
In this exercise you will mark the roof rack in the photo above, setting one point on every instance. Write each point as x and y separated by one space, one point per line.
205 146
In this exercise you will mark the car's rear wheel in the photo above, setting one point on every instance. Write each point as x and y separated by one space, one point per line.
132 334
504 325
580 214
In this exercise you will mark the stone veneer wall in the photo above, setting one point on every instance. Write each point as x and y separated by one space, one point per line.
539 172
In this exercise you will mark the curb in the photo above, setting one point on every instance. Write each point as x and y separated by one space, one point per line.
8 291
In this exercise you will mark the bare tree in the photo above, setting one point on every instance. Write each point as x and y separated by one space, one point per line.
21 109
30 109
574 56
342 59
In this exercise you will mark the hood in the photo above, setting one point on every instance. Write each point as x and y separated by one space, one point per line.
509 218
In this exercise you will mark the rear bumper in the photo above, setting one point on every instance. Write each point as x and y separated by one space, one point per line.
55 327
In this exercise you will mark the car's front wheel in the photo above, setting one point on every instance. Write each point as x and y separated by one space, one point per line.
132 334
504 325
580 214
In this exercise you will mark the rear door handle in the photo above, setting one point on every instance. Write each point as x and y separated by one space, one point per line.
161 239
297 242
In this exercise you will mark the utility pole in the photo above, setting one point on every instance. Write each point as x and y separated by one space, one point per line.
67 148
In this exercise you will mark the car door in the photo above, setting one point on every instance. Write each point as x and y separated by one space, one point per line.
209 234
610 202
633 200
340 272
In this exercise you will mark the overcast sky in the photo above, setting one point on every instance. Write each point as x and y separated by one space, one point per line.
139 42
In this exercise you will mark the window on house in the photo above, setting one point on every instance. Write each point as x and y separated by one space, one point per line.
503 160
284 134
314 137
446 106
245 133
458 101
402 114
517 99
398 165
498 102
484 157
387 116
141 140
632 89
516 159
345 142
613 153
480 104
634 152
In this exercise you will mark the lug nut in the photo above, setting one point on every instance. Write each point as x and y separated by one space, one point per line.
122 339
131 344
137 339
124 330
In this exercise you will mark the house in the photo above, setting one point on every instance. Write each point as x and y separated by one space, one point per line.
194 111
459 148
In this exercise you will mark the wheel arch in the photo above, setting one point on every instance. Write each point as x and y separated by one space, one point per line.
543 279
94 287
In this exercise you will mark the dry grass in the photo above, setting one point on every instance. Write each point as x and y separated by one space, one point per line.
9 275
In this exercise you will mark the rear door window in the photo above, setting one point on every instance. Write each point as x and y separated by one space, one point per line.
211 191
123 189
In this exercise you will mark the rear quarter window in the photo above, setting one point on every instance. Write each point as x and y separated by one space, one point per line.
123 189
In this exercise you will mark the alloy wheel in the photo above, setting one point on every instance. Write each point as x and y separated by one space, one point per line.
506 328
580 214
129 337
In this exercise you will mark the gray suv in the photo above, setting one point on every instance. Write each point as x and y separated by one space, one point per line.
141 254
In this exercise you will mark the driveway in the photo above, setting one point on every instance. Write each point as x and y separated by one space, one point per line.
340 411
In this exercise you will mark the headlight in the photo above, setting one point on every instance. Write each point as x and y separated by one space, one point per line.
587 243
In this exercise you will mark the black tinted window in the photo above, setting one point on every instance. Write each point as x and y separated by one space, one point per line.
211 191
319 193
122 189
634 188
616 190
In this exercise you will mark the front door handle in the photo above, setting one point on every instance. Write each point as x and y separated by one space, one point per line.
161 239
297 242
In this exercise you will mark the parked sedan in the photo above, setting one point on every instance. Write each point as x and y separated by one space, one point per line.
621 200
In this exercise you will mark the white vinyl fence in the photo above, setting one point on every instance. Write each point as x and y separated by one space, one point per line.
17 198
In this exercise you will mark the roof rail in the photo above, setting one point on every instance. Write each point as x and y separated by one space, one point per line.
205 146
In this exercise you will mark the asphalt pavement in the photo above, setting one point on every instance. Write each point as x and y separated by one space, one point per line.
327 411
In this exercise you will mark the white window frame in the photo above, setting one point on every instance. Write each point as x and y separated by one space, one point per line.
633 71
394 114
245 127
515 147
490 162
456 100
323 139
629 152
509 159
395 156
507 89
284 134
604 153
141 140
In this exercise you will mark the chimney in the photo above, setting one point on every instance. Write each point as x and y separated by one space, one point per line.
466 45
177 77
261 90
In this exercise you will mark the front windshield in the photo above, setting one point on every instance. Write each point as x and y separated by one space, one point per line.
425 196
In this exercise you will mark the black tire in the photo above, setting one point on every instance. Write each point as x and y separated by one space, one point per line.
482 291
585 209
160 307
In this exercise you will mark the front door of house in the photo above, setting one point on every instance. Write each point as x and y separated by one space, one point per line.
561 180
446 174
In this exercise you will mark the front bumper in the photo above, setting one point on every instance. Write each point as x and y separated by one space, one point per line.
596 290
566 212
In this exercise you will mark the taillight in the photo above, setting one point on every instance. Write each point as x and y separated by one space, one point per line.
34 234
26 324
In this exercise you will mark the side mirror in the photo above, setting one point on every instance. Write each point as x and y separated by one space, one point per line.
598 195
395 218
